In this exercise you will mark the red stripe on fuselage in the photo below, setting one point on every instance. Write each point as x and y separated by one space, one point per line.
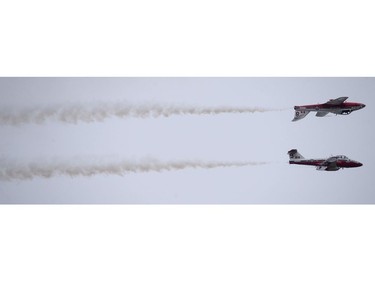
319 162
327 106
348 164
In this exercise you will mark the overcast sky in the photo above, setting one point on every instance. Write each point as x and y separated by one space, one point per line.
229 137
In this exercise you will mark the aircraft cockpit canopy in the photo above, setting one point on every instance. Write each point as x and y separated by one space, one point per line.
342 157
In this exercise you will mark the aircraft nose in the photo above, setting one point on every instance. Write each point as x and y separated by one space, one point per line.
363 105
359 164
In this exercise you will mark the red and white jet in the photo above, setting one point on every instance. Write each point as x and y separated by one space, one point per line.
336 106
332 163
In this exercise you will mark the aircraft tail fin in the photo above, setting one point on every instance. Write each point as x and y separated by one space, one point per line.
300 114
295 155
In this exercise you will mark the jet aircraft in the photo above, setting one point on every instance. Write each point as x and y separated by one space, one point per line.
332 163
336 106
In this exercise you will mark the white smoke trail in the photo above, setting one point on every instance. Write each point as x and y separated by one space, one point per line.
97 113
29 171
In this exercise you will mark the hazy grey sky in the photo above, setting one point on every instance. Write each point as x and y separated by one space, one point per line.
230 137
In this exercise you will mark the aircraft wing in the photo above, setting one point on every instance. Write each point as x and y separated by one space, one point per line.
322 113
337 101
331 164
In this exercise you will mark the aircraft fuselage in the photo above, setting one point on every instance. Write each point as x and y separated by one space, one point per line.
344 108
333 163
335 106
318 162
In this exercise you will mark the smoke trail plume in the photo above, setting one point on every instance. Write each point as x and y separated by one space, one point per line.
29 171
97 113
